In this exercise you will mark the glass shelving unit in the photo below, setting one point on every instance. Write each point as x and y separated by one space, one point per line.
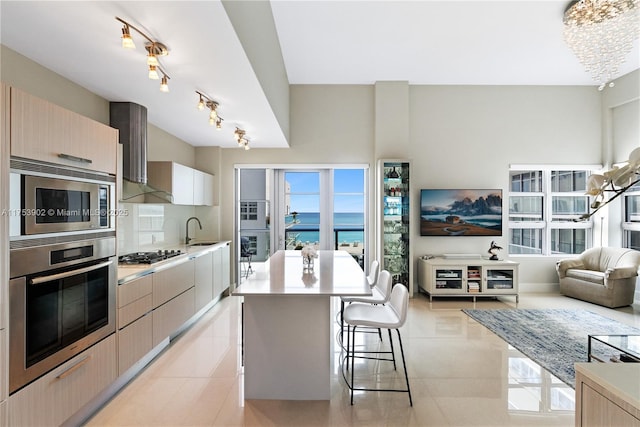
394 251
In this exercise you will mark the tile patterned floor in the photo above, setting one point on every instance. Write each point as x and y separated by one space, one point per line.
461 374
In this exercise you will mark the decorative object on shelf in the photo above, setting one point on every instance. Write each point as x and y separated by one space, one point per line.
308 255
616 181
214 117
493 251
393 174
154 50
601 34
241 139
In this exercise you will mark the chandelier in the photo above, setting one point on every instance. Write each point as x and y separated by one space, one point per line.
601 34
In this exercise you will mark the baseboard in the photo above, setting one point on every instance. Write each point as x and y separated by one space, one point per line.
543 288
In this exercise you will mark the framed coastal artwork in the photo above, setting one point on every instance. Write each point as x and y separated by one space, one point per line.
460 212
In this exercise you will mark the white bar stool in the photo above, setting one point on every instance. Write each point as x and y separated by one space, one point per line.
390 316
380 289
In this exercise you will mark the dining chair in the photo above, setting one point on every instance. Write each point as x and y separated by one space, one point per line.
390 316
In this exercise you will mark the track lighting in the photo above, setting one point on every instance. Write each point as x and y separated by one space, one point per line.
214 117
154 50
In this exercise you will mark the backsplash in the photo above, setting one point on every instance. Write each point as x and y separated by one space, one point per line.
147 227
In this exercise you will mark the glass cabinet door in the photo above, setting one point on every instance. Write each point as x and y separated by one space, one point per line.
500 279
449 279
395 177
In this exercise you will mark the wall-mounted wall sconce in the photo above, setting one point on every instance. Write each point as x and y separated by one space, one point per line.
214 117
154 49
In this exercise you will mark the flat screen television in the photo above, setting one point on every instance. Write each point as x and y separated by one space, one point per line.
460 212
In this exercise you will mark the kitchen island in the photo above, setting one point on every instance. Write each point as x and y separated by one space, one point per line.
287 324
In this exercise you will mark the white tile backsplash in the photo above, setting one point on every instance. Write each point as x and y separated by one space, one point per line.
148 227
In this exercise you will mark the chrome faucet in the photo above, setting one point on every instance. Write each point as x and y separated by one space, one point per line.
187 239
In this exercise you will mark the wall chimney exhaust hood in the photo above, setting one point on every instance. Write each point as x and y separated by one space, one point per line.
131 120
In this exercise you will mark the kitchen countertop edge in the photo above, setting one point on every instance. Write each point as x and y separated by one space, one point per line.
129 273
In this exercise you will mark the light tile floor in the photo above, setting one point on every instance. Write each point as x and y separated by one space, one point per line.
461 374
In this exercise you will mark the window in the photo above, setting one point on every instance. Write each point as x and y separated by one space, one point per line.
631 223
248 211
543 204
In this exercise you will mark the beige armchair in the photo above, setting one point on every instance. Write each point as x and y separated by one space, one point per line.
604 276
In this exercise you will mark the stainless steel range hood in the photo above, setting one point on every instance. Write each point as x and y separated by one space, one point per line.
131 120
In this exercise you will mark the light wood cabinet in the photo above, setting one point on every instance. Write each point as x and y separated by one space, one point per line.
173 281
467 277
55 397
204 279
169 317
188 186
135 333
134 341
41 130
607 394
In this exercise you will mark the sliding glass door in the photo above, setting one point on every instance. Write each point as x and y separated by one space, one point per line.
323 209
280 208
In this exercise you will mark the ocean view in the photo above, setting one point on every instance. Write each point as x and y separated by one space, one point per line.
307 224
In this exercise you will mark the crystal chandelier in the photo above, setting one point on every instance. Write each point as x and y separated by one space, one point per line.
601 34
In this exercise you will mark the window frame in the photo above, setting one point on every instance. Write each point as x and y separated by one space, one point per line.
547 225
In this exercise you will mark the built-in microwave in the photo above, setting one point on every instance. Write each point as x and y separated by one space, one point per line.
48 199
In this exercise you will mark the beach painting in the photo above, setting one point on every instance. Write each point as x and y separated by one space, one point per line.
460 212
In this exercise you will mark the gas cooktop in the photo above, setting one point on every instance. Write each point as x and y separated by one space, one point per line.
148 257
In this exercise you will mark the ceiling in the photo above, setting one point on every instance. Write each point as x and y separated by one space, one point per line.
450 42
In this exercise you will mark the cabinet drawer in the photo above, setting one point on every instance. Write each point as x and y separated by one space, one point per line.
134 342
169 317
135 289
52 399
172 282
135 310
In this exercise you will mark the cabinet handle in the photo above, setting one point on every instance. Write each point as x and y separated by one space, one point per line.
74 368
58 276
74 158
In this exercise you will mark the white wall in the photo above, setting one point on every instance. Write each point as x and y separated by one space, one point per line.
467 136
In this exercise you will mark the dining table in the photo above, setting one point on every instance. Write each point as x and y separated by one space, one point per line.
287 323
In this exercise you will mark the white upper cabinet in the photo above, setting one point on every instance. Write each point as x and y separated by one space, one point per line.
188 186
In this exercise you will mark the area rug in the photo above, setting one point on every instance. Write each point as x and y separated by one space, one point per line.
553 338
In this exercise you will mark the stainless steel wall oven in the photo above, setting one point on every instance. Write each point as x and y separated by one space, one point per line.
61 301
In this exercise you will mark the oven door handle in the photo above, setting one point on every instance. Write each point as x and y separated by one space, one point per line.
58 276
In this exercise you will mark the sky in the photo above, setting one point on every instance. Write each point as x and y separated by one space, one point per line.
346 181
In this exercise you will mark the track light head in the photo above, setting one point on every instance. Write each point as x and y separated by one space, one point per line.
164 85
127 41
153 72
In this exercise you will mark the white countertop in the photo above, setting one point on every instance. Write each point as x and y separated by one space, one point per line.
130 272
621 379
335 273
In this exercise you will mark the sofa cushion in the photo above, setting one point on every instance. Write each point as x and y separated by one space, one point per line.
591 276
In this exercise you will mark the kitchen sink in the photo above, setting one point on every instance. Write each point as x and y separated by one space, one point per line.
202 243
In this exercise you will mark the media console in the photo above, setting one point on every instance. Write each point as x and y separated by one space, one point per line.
470 277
